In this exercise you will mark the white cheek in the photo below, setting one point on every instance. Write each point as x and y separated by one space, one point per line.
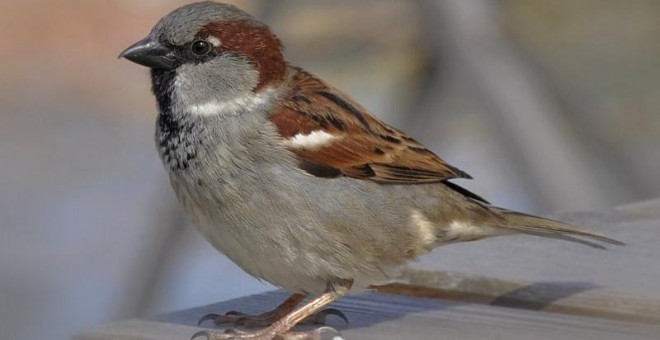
219 87
241 103
229 107
311 141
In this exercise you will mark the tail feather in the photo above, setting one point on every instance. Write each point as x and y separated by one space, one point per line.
544 227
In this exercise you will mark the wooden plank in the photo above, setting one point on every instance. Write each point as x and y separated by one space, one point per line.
630 268
535 273
556 297
385 316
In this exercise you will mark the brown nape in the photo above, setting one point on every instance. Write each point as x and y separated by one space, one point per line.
254 41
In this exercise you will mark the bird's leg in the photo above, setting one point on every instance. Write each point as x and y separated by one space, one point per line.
280 329
261 320
269 317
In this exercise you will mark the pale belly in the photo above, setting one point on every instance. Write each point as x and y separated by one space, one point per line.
283 239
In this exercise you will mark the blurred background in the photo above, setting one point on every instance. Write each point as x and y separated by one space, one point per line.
550 105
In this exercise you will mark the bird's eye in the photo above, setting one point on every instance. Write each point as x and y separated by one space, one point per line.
201 47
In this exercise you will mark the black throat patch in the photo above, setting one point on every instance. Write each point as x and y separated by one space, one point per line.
178 135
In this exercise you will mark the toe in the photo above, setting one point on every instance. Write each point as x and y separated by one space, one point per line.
231 317
323 333
228 334
234 313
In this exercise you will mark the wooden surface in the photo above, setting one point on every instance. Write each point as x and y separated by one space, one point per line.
385 317
632 268
508 288
535 273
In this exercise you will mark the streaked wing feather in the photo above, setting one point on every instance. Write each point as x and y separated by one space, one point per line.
363 147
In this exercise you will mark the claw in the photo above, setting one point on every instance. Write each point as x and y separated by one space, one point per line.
203 333
207 317
320 317
336 312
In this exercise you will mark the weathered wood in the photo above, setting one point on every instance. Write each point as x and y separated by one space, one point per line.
567 298
534 273
385 317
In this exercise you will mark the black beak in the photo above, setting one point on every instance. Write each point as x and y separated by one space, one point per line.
150 53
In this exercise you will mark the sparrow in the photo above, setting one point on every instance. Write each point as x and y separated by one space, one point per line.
292 179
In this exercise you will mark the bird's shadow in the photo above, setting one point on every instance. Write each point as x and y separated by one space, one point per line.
539 295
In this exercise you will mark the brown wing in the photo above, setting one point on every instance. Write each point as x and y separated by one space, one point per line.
360 146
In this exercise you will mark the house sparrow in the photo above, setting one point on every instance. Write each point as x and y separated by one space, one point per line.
291 178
